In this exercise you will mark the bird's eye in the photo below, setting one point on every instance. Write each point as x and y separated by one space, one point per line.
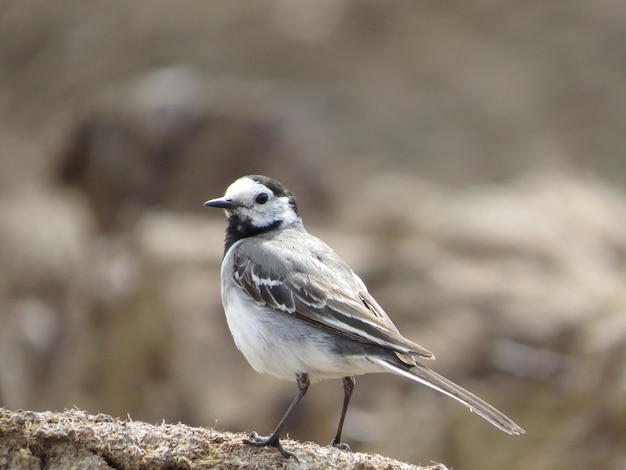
262 198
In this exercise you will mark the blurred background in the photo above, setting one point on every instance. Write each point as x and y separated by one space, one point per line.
466 158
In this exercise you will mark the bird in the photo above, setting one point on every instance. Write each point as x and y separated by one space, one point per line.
298 312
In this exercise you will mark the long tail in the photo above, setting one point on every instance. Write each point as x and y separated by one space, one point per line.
422 374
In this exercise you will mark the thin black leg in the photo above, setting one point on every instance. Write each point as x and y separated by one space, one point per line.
273 439
348 387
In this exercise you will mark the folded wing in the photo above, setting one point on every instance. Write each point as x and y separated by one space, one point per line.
346 310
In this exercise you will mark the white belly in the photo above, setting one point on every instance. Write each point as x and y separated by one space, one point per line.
277 344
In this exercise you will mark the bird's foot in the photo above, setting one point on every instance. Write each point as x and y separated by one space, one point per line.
271 440
340 445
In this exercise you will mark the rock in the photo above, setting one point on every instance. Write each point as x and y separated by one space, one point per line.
172 139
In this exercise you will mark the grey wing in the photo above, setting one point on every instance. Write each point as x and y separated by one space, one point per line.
308 295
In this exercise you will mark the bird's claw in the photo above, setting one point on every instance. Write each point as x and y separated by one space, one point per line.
271 440
340 445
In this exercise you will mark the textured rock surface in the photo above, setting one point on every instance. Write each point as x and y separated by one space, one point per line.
74 439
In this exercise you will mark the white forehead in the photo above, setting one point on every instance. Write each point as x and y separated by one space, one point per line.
245 188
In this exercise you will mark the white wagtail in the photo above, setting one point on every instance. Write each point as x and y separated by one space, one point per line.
297 311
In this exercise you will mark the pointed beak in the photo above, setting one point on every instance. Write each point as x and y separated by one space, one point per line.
221 203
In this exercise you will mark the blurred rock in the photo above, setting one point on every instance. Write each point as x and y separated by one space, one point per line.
173 140
29 334
526 314
116 352
547 250
43 236
173 239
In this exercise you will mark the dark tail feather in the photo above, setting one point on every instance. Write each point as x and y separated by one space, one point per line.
422 374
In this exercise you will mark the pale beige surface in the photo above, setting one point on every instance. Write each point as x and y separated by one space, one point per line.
74 439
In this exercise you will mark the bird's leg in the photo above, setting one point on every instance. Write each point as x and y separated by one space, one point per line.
348 387
273 439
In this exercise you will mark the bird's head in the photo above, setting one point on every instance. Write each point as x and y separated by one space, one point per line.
257 203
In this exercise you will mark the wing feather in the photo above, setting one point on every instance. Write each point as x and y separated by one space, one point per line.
345 309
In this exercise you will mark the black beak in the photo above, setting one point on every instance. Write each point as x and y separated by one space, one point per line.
221 203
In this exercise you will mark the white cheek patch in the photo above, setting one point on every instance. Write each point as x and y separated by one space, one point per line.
264 215
257 217
288 214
